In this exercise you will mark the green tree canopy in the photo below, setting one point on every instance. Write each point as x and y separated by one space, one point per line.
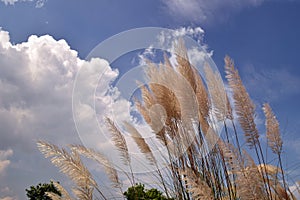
138 192
39 192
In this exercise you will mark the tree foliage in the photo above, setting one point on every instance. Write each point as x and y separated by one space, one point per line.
138 192
39 192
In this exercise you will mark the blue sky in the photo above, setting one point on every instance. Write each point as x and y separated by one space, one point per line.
260 35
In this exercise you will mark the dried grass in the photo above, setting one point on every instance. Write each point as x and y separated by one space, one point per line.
119 141
243 105
197 187
177 106
101 159
71 165
141 143
220 103
272 127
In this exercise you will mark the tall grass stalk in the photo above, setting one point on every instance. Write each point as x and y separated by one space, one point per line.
200 164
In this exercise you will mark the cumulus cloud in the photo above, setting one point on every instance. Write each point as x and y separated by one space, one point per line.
36 85
204 11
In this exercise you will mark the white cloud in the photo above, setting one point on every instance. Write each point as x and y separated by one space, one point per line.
166 40
9 2
4 162
5 190
8 198
203 11
36 85
7 194
189 31
4 39
38 3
